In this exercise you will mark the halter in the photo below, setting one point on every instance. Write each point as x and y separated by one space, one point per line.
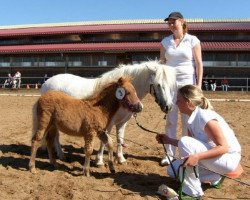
152 92
131 107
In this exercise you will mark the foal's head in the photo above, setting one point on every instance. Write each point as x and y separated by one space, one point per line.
126 94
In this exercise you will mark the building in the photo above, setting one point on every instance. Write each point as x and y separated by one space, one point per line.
91 48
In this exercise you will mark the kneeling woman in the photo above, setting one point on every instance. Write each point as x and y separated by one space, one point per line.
211 142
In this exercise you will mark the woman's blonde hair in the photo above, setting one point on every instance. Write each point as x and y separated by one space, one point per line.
195 95
184 27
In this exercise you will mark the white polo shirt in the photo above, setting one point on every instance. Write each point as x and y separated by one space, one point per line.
181 57
196 125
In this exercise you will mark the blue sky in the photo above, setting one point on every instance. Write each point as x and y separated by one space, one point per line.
16 12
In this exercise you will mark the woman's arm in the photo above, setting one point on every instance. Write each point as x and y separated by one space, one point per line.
164 139
162 55
214 132
198 64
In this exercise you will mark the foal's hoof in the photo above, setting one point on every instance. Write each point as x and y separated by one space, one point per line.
111 167
85 173
33 170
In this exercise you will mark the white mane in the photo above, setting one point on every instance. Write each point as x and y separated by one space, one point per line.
140 74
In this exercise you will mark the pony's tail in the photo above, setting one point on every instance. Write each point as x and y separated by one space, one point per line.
34 118
35 125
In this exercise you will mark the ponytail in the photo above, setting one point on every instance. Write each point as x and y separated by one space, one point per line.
184 27
195 95
206 104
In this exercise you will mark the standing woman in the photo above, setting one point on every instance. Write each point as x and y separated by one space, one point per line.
182 52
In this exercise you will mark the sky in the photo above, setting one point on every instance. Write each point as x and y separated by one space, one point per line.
23 12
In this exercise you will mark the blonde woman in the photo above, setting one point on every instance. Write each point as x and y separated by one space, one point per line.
210 144
182 52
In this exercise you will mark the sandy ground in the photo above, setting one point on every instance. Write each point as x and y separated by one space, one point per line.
138 179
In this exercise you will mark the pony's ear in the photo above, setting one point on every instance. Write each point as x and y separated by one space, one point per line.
122 80
151 68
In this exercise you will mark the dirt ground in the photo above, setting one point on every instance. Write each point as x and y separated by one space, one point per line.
138 179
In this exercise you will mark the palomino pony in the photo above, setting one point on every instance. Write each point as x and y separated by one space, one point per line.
56 111
147 77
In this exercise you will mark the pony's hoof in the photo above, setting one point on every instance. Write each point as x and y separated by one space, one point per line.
99 163
86 173
121 160
33 170
62 157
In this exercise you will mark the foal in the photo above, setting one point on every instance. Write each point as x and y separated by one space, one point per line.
57 112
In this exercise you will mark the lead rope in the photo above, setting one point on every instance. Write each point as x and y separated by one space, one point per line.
145 129
195 169
181 180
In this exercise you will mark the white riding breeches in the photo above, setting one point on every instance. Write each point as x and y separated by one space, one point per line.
171 126
221 164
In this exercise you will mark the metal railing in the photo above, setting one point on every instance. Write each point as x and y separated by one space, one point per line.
235 84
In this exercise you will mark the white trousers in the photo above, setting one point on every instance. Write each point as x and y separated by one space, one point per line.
222 165
172 122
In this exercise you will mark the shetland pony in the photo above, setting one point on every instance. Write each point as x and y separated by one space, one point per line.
56 111
148 77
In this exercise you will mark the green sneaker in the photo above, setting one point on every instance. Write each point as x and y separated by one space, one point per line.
218 184
187 197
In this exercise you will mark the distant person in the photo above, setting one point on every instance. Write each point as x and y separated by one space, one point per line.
205 84
224 84
182 52
17 79
212 83
45 78
8 83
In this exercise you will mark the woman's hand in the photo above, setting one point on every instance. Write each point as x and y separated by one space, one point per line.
191 160
162 138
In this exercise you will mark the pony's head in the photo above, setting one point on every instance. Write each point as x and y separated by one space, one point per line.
126 94
163 84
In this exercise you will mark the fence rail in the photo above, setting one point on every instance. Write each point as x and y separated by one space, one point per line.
235 84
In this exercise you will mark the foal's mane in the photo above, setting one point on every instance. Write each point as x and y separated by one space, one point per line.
105 90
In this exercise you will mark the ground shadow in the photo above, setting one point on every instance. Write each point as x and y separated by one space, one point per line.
143 184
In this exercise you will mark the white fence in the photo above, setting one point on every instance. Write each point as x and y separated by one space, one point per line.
235 84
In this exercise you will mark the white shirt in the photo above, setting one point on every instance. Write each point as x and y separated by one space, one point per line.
181 57
196 125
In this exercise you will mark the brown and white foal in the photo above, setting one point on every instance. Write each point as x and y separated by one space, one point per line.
55 111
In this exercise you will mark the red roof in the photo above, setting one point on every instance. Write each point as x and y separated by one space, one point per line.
220 26
225 46
136 27
128 46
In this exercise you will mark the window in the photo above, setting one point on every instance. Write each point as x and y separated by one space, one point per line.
104 60
52 61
